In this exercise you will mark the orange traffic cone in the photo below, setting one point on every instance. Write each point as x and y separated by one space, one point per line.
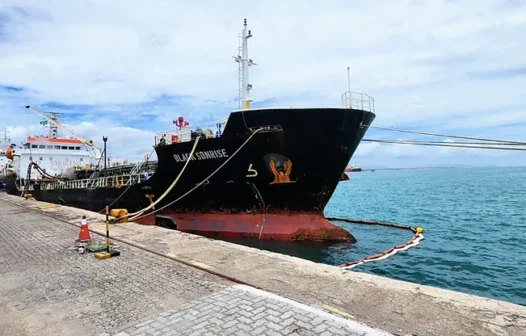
84 232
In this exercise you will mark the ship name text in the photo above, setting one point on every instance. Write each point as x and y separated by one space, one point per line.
202 155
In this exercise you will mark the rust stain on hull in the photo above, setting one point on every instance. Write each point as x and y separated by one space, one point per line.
275 226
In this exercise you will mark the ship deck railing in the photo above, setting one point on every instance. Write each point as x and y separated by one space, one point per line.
115 181
358 101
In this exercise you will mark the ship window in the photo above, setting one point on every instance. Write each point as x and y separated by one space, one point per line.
27 145
40 158
71 148
77 148
50 158
34 146
30 158
42 146
57 147
50 146
81 159
64 147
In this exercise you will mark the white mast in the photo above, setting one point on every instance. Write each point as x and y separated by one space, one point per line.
6 140
349 78
53 129
244 63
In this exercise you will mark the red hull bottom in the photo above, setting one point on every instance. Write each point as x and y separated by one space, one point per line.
283 227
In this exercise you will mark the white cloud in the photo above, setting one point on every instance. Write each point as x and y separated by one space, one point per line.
122 141
449 150
405 150
418 59
366 148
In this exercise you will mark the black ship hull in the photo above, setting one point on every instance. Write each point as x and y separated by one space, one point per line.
275 187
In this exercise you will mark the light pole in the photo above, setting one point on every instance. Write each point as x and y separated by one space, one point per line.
104 138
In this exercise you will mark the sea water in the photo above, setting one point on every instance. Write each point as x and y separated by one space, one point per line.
474 222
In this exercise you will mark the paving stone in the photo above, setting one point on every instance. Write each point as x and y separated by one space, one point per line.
41 270
264 323
135 294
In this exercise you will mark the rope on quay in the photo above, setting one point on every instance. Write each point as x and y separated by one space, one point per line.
414 241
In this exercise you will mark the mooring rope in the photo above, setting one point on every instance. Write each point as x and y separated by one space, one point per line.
135 215
445 144
118 198
444 135
206 179
414 241
129 185
456 142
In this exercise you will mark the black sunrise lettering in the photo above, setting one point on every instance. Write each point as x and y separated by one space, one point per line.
203 155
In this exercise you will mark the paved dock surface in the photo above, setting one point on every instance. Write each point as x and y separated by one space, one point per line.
399 307
48 288
242 310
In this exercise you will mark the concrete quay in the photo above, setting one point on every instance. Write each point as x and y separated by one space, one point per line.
48 288
398 307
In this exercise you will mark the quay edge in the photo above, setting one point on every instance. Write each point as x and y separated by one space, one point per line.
399 307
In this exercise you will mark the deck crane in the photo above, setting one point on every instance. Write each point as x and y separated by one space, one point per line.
93 150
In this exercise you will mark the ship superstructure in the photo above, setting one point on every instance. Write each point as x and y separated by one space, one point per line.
54 154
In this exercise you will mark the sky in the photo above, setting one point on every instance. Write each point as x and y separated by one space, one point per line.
127 68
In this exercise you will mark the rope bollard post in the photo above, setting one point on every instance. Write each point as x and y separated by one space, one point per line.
107 254
107 230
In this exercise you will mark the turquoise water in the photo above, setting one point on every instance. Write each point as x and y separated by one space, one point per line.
474 222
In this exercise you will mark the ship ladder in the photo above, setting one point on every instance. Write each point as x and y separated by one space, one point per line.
137 168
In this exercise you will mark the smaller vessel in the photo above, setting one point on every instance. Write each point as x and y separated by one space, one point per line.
352 168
